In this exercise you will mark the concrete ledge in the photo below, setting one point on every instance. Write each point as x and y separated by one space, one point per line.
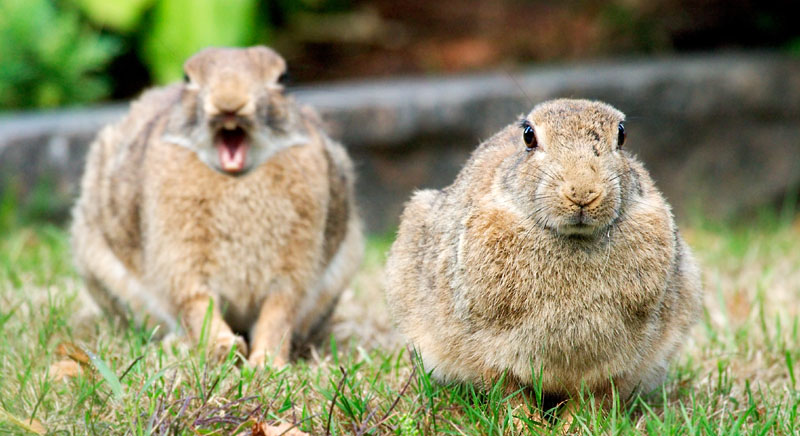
718 131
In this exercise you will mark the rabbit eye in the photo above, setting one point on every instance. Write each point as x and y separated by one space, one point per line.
528 135
185 78
621 135
284 78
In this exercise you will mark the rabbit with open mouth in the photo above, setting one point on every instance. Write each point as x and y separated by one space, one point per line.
220 192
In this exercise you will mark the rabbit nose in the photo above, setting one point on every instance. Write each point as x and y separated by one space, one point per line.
580 195
229 103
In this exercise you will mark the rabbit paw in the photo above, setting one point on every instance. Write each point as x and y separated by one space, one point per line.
225 341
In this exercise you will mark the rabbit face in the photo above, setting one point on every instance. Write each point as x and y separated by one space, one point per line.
233 112
573 172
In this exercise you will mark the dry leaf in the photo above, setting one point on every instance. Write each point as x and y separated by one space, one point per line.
263 429
31 425
35 426
63 369
72 351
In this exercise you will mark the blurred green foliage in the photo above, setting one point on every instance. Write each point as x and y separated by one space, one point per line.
182 27
54 53
794 46
166 32
49 57
169 31
61 52
120 15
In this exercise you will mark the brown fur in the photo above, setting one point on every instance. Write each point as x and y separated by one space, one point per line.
491 274
160 231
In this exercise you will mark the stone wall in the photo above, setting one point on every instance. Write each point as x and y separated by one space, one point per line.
720 133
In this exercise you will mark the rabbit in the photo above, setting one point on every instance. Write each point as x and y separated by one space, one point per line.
221 195
552 259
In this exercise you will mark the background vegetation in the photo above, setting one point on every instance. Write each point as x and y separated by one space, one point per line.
66 52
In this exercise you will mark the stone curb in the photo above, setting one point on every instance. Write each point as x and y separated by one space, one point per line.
721 131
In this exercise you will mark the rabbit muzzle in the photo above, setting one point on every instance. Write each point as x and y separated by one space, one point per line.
584 212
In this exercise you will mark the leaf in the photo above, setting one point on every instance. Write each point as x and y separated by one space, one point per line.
64 369
72 351
263 429
31 426
36 427
107 374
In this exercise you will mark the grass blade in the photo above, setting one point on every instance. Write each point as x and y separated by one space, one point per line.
108 375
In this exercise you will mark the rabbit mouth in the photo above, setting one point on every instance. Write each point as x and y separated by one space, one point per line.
579 224
579 230
232 144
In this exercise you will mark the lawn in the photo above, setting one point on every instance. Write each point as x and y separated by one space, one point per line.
66 369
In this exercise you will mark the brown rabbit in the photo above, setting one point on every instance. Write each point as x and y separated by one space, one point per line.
552 257
221 189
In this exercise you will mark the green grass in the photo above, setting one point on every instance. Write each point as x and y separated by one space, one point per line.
736 375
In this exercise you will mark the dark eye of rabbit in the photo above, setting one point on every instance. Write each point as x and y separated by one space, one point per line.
529 136
284 78
185 78
621 135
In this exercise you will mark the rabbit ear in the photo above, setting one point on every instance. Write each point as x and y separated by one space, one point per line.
269 62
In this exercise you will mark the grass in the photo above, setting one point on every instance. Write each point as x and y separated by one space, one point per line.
64 369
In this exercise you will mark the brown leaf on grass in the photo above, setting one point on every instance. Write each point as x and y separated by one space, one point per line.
35 426
72 351
31 426
263 429
63 369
